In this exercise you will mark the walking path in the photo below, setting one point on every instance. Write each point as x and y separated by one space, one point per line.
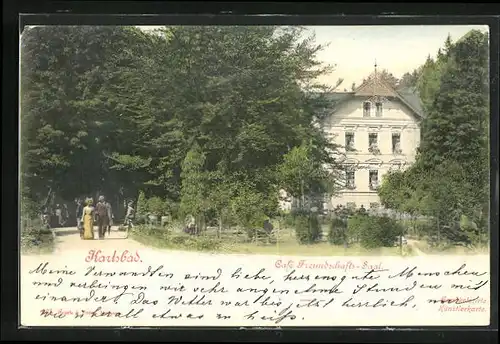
68 239
416 250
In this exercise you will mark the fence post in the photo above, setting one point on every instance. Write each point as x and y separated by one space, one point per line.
278 235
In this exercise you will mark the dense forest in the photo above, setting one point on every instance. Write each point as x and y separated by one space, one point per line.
450 180
193 116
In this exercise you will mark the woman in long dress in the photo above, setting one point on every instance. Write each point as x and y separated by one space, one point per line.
88 221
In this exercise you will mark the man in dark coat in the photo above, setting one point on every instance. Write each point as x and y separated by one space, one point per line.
102 216
111 216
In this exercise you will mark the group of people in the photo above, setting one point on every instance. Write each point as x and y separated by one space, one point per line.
101 214
55 217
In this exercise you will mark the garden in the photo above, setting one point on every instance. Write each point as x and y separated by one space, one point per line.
303 232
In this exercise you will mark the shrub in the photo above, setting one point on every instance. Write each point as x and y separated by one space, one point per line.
307 228
160 237
174 226
203 243
423 228
140 220
156 206
354 227
337 232
142 204
289 220
180 240
475 235
36 239
377 232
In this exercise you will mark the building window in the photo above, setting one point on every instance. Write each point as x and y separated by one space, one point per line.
373 143
378 109
349 142
373 180
350 180
367 107
396 143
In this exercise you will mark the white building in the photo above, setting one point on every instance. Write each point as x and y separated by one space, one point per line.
378 129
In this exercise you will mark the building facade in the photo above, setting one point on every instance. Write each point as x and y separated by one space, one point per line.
378 130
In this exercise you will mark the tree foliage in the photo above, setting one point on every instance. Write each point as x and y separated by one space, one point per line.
450 178
189 114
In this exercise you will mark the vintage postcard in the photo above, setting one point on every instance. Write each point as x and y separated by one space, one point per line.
254 176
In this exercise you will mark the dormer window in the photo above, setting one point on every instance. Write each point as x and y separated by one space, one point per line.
367 107
378 109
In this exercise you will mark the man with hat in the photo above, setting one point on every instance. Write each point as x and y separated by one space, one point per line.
103 216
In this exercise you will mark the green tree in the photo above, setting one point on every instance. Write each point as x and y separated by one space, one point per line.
429 81
116 109
142 204
449 181
68 120
193 199
409 81
303 174
387 77
457 128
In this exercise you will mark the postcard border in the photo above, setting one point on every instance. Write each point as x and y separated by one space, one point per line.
10 268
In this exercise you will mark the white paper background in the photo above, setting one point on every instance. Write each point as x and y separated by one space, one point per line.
419 311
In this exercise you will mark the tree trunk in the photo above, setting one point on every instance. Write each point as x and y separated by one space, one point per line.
302 197
220 227
400 239
414 225
439 230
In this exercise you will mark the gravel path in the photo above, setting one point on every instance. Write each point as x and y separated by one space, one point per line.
412 244
68 239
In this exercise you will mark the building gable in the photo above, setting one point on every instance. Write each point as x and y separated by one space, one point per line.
375 87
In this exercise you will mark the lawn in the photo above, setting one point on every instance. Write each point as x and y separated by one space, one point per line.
455 250
239 244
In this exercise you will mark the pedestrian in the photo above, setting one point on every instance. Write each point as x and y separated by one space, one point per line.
110 216
45 218
59 215
79 216
102 216
88 220
129 217
65 213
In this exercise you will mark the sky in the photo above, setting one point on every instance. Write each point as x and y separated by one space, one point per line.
399 49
